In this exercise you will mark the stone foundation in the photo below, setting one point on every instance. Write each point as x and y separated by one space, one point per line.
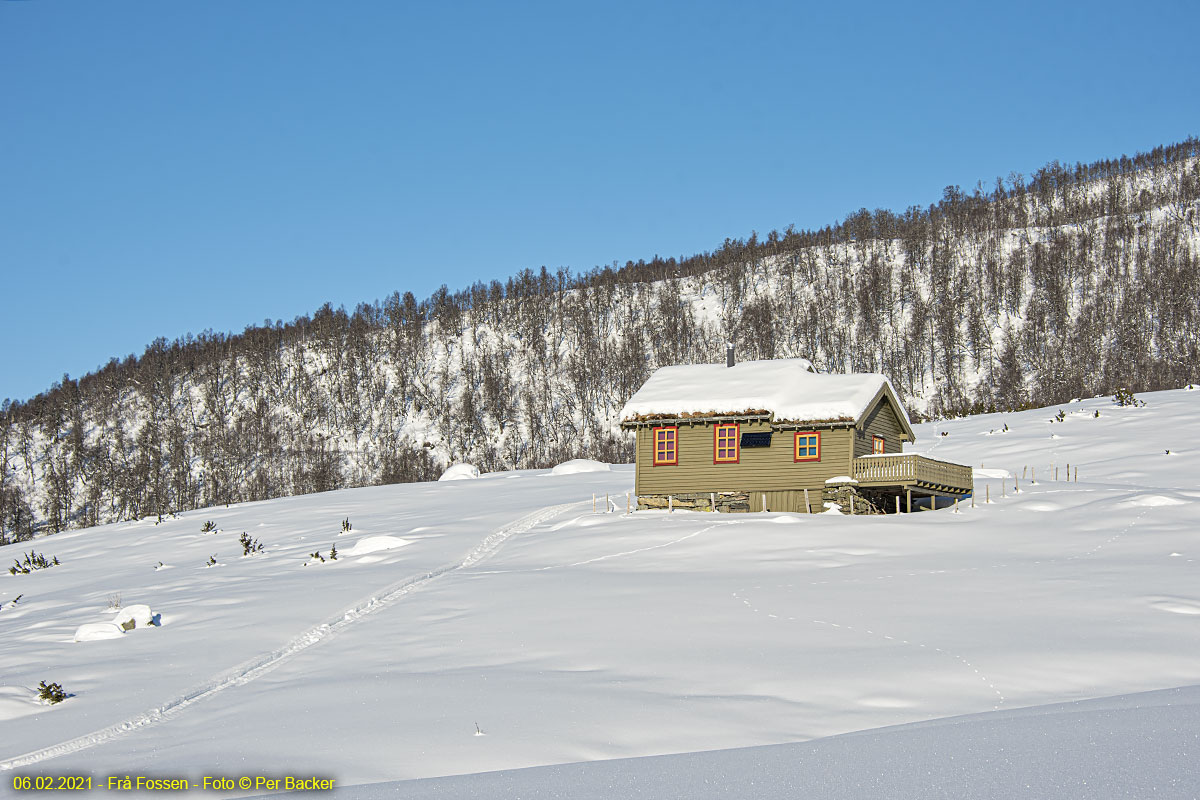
726 502
848 499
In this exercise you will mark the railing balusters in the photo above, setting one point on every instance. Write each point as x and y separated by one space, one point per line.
912 467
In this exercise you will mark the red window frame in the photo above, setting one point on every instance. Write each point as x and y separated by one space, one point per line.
816 437
736 444
878 445
670 449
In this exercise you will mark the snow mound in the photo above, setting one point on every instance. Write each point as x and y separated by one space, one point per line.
460 472
576 465
1176 605
95 631
140 615
374 544
1154 500
980 472
840 479
17 701
784 519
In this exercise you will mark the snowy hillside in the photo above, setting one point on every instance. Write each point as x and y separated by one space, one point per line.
569 635
1071 283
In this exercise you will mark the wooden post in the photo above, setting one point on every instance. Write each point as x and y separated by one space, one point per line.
712 501
972 497
607 506
670 504
1056 473
628 504
851 501
1024 470
989 494
908 493
897 504
1016 485
764 502
1033 477
1077 474
807 507
956 505
1002 487
593 502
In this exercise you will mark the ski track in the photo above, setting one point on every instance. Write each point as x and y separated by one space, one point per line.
742 596
868 632
260 665
1040 562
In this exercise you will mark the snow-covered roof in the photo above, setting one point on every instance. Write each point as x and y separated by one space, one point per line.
786 389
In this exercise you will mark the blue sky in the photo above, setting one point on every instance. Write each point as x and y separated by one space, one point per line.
167 168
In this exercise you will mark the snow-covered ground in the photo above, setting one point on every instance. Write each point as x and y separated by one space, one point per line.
499 623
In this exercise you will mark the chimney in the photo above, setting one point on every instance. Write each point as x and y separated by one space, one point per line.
729 354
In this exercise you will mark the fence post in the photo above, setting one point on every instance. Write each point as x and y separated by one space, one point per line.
712 502
908 494
807 507
593 502
670 504
628 504
764 502
897 504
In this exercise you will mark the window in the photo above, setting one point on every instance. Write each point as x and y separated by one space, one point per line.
877 444
725 444
808 447
666 446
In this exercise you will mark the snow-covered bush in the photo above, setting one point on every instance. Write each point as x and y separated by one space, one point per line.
51 693
577 465
460 472
1124 397
135 616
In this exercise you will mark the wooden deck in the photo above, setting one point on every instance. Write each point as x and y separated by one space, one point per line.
911 471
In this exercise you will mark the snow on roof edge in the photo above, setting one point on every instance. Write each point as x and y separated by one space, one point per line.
789 390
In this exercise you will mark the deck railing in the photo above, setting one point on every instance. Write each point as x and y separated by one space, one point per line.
912 469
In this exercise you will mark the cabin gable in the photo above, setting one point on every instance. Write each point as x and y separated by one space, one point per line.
881 420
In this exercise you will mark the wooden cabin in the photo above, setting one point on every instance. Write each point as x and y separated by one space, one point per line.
779 436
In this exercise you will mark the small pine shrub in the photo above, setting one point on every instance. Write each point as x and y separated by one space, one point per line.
51 693
1060 416
1096 414
208 527
212 561
33 561
333 553
114 602
346 527
249 546
1124 397
317 557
